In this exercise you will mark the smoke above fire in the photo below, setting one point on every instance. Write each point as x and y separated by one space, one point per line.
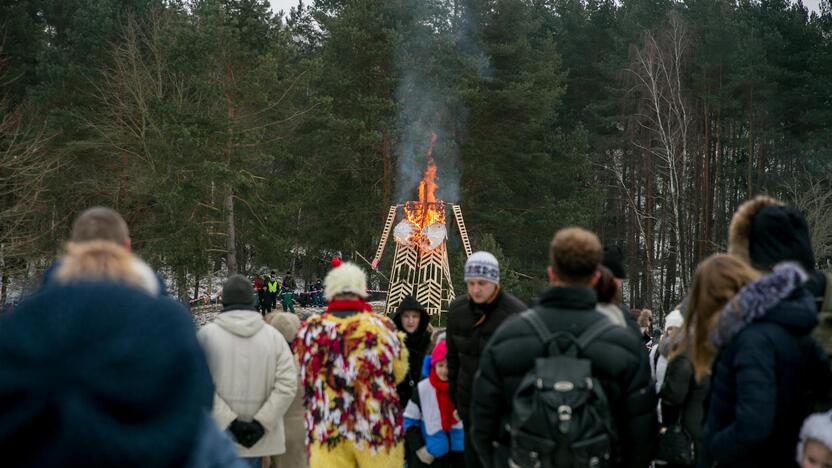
432 115
427 157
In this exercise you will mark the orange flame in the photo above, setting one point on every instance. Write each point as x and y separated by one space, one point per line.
427 210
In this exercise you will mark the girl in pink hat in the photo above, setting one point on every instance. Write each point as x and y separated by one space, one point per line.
433 434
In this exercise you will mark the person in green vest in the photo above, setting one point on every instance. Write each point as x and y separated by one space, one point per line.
271 291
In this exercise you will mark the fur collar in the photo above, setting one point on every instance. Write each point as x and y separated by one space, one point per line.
756 299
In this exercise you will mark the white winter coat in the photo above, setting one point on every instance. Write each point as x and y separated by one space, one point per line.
254 373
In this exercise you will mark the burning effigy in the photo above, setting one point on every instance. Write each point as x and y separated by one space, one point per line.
420 262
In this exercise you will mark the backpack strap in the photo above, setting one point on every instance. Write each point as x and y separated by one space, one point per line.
531 317
594 331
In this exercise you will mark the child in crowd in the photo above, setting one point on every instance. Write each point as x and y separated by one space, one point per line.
815 447
434 435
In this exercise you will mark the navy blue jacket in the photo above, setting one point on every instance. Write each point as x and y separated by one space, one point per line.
760 385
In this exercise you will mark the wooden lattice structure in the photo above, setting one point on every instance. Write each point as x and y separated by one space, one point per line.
420 262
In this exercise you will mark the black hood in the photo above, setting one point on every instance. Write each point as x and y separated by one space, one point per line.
780 233
410 303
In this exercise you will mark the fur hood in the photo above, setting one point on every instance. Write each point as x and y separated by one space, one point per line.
760 301
106 261
739 232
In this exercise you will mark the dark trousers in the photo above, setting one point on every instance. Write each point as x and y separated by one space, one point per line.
472 460
262 299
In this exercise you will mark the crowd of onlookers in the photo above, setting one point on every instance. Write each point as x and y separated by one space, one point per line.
101 368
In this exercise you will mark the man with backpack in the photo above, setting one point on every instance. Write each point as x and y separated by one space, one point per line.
560 384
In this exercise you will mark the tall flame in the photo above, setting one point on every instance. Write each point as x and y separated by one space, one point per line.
427 210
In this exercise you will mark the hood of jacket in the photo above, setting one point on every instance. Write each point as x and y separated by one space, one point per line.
765 231
778 297
240 322
410 303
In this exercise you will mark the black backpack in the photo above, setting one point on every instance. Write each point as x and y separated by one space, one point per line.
560 416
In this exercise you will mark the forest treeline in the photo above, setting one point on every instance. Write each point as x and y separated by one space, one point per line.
232 138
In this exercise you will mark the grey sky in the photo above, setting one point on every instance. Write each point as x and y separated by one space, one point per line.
286 4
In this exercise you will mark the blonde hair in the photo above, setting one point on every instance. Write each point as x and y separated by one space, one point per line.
717 281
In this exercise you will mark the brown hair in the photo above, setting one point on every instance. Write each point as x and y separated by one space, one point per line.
606 288
717 280
575 254
100 224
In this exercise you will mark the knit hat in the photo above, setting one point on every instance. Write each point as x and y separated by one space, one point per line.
673 319
287 324
613 259
100 374
237 290
439 353
345 278
482 265
818 427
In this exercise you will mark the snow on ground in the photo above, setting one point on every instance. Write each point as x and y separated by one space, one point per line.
205 314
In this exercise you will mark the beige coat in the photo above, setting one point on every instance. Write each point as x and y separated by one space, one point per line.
295 456
255 376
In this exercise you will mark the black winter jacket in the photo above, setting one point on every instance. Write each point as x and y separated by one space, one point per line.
619 361
417 344
762 378
682 398
470 326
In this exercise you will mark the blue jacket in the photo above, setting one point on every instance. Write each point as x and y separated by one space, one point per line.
423 424
104 365
765 370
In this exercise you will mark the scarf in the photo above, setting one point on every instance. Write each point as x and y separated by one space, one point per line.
349 304
443 398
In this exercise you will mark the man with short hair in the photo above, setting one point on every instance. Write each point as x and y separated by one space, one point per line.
618 359
100 224
472 319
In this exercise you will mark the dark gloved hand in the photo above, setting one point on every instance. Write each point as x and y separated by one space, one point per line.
237 429
246 433
255 433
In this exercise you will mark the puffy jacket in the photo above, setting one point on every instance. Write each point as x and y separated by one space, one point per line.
255 376
764 374
423 427
470 326
619 361
417 344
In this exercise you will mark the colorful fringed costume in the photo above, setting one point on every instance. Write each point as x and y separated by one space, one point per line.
351 361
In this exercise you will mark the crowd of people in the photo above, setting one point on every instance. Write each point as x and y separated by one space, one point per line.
101 368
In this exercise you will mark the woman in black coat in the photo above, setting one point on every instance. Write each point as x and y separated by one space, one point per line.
683 398
751 334
412 319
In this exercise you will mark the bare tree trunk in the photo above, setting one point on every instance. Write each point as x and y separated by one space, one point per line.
196 287
750 188
231 241
387 167
4 283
